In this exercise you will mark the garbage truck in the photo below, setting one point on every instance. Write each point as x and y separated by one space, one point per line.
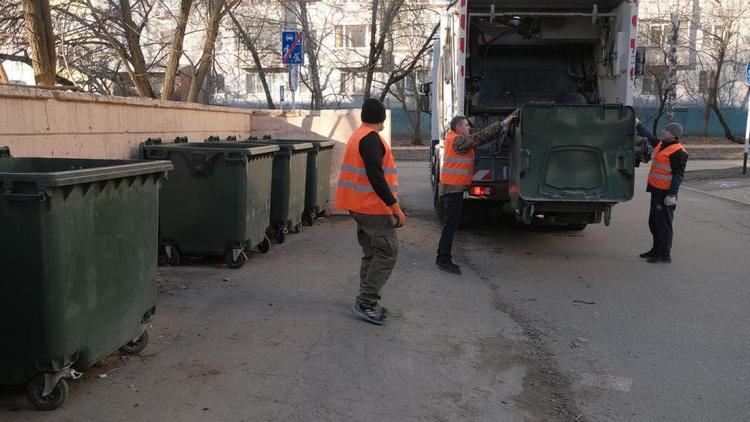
568 68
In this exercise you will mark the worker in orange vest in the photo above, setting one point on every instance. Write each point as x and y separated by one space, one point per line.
456 174
667 171
368 188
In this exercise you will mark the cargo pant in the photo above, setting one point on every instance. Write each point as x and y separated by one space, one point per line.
377 236
660 223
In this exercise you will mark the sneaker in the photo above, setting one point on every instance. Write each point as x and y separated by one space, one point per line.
368 314
382 310
666 259
449 267
648 254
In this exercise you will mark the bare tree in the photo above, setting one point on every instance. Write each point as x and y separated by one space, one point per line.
217 10
111 24
41 39
251 46
407 66
3 76
176 51
721 25
381 24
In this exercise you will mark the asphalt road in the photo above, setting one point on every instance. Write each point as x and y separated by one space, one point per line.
542 326
637 341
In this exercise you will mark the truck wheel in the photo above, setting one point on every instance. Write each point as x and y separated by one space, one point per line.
53 400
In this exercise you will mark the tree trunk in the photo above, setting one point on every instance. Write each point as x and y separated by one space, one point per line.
212 31
41 39
394 78
250 45
312 56
376 48
176 52
133 38
3 76
724 125
372 58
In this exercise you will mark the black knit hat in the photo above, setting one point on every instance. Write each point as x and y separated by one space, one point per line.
373 111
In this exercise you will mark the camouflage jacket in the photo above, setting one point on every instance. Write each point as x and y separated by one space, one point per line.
464 144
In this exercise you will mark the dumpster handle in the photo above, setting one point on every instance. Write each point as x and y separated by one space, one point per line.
25 197
234 158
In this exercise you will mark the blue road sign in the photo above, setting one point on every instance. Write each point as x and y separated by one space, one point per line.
292 47
747 74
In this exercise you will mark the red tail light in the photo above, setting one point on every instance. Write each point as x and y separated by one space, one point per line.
482 191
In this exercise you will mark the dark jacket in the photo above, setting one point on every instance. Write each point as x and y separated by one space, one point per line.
678 161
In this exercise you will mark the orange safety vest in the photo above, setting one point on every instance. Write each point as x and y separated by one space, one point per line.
354 191
457 169
660 176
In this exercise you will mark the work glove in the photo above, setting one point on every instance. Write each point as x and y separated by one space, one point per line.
399 214
670 200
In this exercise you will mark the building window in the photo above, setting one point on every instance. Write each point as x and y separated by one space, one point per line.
352 83
651 85
713 36
704 80
656 35
253 83
352 36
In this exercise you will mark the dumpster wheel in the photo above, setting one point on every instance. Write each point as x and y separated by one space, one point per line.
174 259
280 235
265 245
297 228
53 400
237 262
134 347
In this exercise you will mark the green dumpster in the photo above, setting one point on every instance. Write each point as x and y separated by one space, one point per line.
288 187
217 201
572 161
76 251
317 184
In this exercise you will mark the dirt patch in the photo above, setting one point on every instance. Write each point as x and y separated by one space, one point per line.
730 173
547 392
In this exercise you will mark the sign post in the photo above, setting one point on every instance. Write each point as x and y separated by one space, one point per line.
292 55
281 97
747 125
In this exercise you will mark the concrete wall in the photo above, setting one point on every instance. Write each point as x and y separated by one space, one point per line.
47 123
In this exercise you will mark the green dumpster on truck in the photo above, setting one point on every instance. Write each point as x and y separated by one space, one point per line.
317 184
217 201
288 187
572 163
77 241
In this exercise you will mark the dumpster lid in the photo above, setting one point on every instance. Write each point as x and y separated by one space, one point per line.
287 146
70 171
217 147
320 144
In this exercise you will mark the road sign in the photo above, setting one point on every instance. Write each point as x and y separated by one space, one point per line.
292 47
747 74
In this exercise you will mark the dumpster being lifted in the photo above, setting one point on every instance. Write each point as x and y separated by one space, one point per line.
76 251
217 202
